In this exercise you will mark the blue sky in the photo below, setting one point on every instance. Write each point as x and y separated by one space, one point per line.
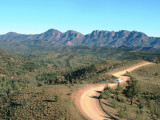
37 16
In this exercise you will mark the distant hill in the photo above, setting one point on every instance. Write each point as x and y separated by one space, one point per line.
120 39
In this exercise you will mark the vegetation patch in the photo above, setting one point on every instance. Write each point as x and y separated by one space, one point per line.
138 99
40 103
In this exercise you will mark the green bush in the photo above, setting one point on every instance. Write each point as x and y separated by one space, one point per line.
156 74
56 97
48 78
39 84
114 103
122 112
141 102
155 110
108 89
139 111
15 86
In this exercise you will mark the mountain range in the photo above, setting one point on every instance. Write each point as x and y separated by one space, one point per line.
120 39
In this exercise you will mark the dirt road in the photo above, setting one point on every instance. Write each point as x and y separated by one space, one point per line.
86 98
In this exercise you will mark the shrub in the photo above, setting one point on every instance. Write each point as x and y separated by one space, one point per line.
56 97
108 89
141 102
156 74
60 79
122 112
117 91
114 103
15 86
39 84
61 119
9 91
105 95
120 99
139 111
155 110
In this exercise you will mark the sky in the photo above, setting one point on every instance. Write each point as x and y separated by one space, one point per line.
84 16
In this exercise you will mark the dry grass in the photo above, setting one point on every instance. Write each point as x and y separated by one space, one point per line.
39 104
104 70
149 80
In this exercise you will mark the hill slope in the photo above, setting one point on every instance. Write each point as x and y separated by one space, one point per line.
123 38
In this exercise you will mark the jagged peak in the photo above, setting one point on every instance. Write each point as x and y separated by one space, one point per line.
96 31
139 33
124 31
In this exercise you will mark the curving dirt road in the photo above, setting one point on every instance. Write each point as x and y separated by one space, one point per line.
86 98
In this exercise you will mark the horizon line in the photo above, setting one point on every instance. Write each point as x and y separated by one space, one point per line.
76 31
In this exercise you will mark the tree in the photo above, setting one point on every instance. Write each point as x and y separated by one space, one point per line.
132 89
118 90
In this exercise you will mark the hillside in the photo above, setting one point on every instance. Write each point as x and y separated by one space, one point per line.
146 106
76 64
32 76
52 37
9 63
41 100
40 103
